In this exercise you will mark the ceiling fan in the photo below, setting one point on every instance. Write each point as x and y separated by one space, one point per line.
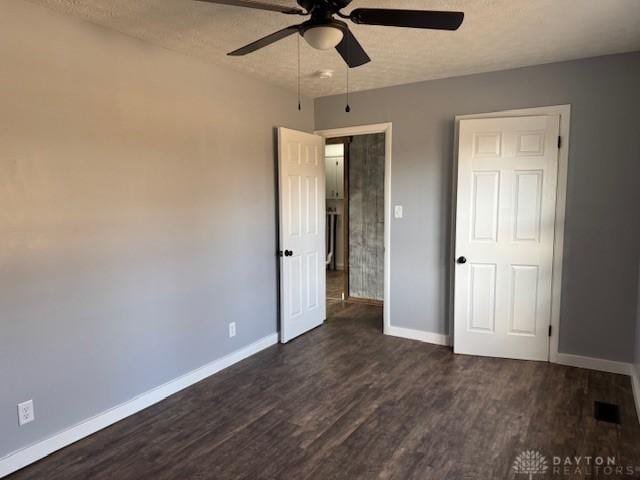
322 31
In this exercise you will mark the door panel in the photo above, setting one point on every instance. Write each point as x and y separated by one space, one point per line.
312 280
312 213
482 313
528 197
486 191
294 271
294 200
301 174
505 216
524 291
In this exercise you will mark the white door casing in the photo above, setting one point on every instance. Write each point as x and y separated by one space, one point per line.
301 180
387 129
505 215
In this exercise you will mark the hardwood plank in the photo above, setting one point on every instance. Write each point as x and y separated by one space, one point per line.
345 401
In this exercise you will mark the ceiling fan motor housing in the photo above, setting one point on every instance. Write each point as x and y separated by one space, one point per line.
331 6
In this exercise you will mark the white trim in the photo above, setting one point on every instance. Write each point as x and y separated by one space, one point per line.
23 457
592 363
635 385
422 336
385 128
564 111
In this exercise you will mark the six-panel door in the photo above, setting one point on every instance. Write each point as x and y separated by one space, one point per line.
302 232
505 216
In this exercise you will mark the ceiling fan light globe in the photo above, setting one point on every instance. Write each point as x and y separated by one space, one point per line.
323 37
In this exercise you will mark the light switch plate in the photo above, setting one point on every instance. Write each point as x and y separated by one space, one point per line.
397 211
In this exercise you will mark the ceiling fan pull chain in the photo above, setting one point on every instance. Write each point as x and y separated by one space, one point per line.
299 101
348 108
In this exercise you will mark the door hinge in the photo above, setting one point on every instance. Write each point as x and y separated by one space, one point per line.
559 141
549 330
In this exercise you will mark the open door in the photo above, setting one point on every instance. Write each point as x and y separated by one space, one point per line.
301 184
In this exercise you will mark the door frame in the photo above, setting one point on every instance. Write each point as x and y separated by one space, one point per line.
564 111
385 128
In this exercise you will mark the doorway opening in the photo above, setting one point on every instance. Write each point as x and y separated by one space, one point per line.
351 301
355 219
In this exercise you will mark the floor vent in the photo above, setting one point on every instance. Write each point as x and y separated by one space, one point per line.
606 412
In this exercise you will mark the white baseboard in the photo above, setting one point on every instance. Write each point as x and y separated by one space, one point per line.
635 384
23 457
428 337
594 363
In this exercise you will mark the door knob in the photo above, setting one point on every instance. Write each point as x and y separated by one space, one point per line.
288 253
461 260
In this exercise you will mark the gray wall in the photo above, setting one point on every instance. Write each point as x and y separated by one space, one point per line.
137 219
366 216
602 229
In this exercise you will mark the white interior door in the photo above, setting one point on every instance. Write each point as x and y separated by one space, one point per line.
302 232
505 216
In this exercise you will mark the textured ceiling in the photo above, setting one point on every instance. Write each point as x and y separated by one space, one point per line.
496 35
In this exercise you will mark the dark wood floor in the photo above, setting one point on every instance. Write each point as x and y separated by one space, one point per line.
335 284
346 402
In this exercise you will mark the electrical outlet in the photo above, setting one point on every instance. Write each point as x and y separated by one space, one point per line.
232 329
25 412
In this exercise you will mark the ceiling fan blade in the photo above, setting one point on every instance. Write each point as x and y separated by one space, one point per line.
258 5
408 18
351 50
265 41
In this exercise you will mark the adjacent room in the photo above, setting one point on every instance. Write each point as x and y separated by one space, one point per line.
354 179
319 239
